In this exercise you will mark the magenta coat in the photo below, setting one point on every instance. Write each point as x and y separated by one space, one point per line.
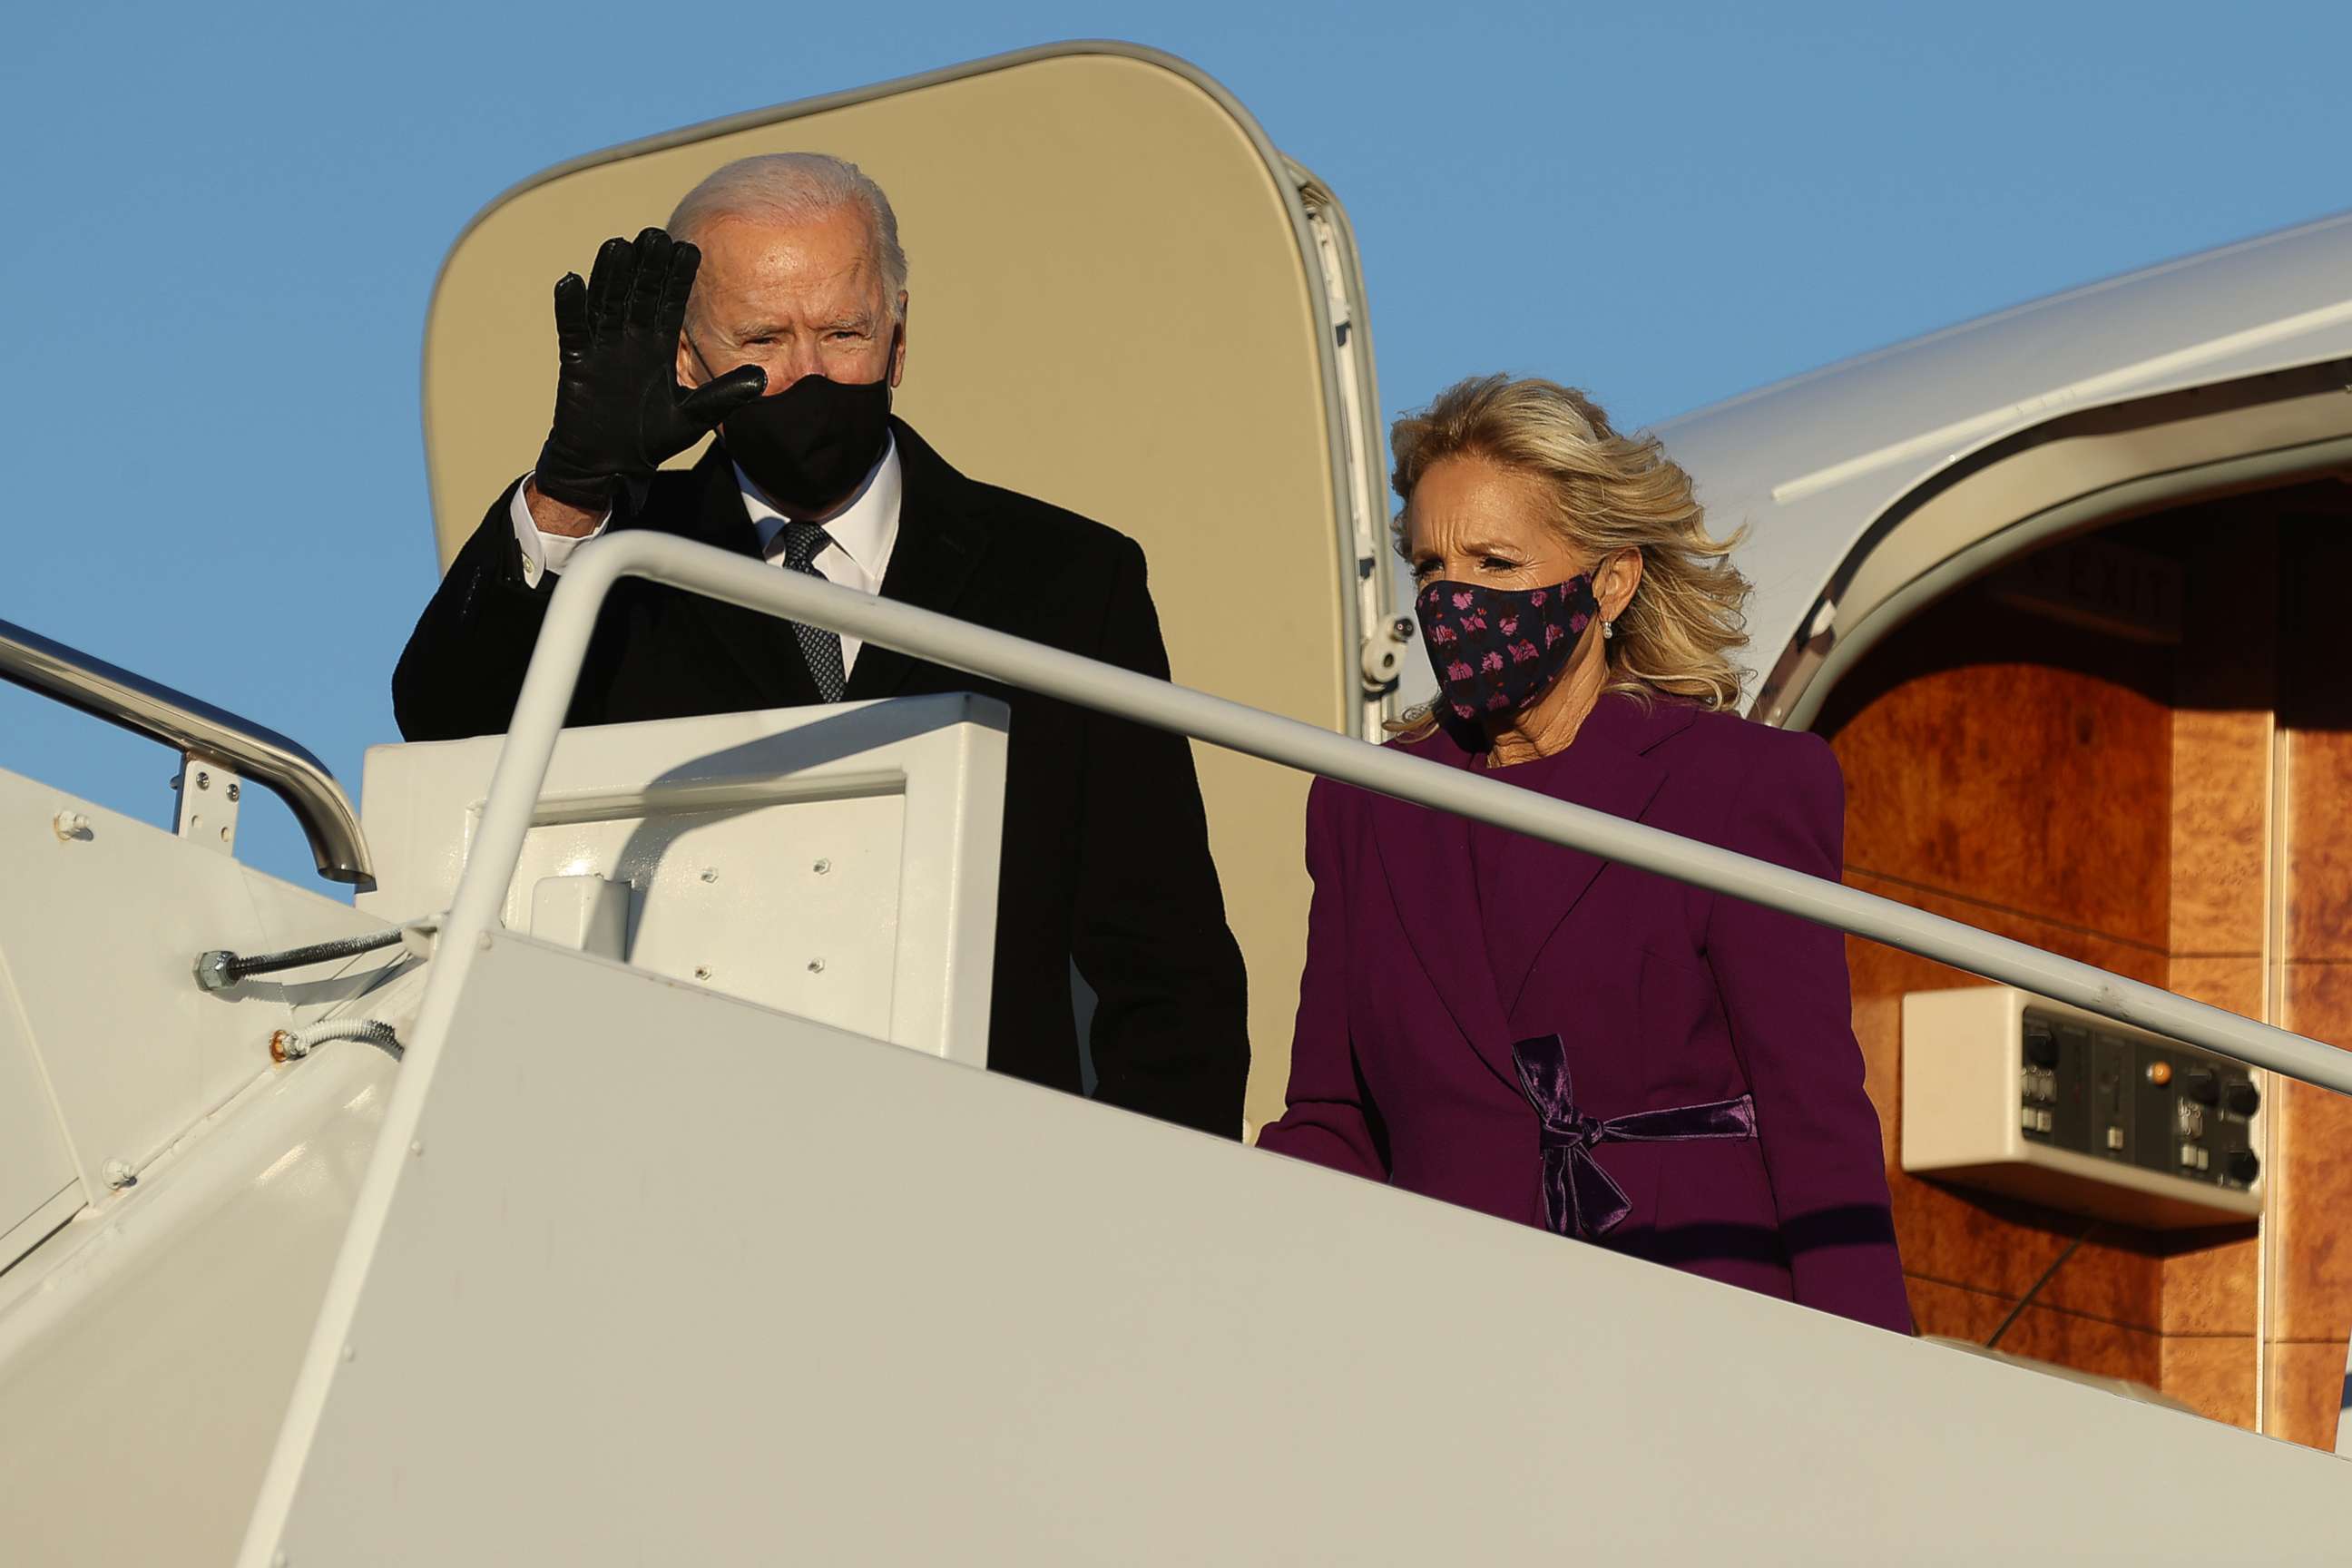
1638 1063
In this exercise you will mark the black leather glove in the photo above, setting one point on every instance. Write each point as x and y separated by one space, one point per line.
619 413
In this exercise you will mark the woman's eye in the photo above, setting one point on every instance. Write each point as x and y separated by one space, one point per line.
1497 563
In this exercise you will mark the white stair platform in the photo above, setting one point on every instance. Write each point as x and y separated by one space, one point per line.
673 1278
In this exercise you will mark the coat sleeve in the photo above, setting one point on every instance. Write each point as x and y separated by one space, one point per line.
1170 1031
463 668
1329 1118
1789 1001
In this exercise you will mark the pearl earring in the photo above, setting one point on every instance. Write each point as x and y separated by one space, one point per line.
1608 630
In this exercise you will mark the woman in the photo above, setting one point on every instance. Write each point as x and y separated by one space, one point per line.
1520 1027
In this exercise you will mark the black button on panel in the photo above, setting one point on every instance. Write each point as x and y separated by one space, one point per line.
2241 1098
2041 1045
2242 1166
2202 1085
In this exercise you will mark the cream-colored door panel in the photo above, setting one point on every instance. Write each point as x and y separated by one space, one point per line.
1122 300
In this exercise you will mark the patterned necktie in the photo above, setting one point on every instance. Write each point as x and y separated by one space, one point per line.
803 543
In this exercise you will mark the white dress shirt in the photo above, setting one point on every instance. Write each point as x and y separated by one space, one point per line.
863 536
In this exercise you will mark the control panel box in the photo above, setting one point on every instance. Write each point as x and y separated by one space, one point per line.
2014 1093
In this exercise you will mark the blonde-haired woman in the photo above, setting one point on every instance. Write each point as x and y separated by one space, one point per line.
1520 1028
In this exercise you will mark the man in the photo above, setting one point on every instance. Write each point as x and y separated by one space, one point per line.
778 316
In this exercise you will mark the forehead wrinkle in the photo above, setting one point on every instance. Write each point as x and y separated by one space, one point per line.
786 280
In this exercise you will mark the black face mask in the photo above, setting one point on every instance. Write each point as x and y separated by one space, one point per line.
809 446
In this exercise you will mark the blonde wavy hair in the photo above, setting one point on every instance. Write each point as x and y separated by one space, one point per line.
1609 492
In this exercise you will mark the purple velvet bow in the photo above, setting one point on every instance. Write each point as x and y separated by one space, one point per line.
1580 1197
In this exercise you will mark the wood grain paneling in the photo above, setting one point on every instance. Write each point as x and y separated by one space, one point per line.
2306 1389
1953 1312
2213 1375
2107 795
2319 845
2115 1277
2310 1174
2087 1344
2042 1333
1999 1246
2234 983
2221 831
1881 971
2004 782
2210 1285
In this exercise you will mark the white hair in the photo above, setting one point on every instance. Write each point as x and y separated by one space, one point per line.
797 186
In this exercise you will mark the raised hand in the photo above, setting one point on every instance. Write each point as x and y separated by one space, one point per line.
619 411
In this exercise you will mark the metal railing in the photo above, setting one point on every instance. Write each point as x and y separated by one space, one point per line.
554 672
202 732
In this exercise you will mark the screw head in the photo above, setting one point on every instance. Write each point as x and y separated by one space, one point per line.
702 971
203 779
822 866
710 873
816 966
118 1174
233 792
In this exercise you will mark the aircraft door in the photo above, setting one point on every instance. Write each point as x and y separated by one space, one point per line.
1122 300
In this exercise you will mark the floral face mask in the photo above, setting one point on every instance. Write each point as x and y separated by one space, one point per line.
1495 650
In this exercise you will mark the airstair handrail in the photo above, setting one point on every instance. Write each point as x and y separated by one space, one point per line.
739 580
201 732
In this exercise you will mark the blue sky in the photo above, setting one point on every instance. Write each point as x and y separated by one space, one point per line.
229 218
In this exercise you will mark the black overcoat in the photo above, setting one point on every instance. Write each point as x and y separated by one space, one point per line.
1106 845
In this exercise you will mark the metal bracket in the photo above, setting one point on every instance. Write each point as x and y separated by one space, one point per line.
1383 655
208 802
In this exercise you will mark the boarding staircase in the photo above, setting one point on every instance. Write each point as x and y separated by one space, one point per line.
591 1260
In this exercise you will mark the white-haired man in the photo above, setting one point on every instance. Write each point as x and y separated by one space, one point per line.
774 310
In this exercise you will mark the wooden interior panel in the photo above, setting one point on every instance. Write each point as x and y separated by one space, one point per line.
1951 1311
2220 829
2319 868
2105 790
2002 782
2305 1381
2213 1375
2209 1283
2309 1295
2234 980
2088 1344
2311 1224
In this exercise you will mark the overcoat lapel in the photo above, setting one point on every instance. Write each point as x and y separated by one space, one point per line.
940 542
766 649
1609 769
1425 855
